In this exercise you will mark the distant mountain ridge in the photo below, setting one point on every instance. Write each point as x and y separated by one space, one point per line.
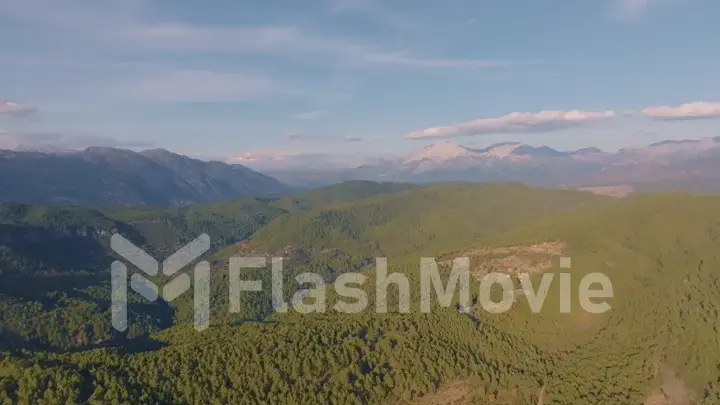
104 176
117 177
690 165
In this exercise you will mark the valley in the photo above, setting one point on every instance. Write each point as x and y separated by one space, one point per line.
664 310
359 202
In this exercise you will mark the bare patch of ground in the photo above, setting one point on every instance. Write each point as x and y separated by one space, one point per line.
673 391
541 395
619 191
463 392
457 393
514 260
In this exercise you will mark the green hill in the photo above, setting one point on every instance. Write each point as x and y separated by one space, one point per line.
409 224
67 239
348 192
658 344
659 252
54 261
422 221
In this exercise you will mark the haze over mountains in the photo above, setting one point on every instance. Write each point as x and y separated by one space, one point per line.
687 165
156 177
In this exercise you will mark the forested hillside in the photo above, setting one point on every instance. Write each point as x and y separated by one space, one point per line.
424 221
54 261
119 177
348 192
658 344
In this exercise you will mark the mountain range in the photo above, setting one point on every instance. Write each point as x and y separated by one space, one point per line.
689 165
117 177
103 176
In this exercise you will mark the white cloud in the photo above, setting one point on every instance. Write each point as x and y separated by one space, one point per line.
199 86
261 156
277 159
688 111
126 25
514 123
285 41
14 109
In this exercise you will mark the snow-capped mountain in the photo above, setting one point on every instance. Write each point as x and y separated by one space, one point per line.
684 164
667 150
445 152
440 152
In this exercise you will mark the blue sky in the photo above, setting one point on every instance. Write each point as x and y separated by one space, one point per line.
224 78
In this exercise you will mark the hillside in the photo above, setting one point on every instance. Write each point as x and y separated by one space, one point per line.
54 260
116 177
347 192
54 264
65 239
658 251
342 238
423 221
658 344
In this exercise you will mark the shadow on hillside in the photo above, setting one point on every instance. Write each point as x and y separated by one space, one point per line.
120 345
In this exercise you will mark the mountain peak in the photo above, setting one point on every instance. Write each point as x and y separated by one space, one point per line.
675 142
501 144
587 151
541 151
672 147
158 153
105 151
439 152
501 150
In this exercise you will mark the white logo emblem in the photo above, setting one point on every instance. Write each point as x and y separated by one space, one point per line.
148 265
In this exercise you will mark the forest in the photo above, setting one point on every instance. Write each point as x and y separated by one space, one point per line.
659 342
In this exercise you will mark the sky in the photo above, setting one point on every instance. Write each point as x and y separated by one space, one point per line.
234 79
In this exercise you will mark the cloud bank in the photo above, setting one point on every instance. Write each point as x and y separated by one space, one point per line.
688 111
285 41
282 160
515 123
